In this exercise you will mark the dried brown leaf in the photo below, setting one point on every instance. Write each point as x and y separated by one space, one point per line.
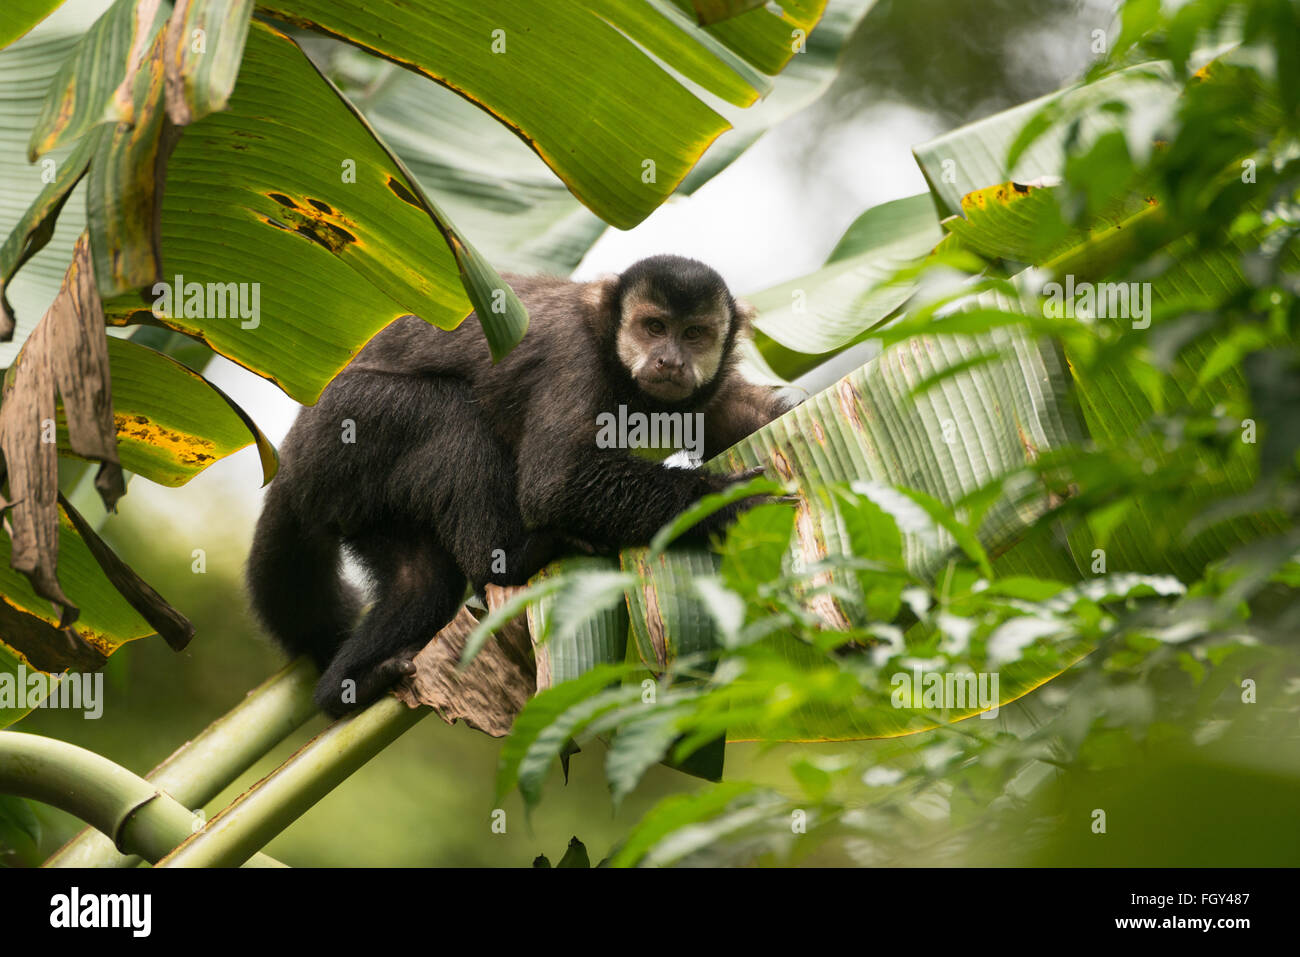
66 355
492 690
177 37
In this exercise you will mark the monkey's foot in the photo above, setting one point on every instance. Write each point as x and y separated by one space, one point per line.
339 693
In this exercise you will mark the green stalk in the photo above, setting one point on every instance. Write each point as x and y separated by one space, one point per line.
275 802
138 817
200 769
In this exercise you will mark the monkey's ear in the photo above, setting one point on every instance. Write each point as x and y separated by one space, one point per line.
599 293
745 316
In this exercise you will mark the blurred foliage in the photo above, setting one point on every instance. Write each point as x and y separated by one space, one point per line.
962 60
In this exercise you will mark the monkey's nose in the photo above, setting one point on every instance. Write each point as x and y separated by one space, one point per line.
674 365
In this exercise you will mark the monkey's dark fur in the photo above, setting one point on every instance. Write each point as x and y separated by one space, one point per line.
456 457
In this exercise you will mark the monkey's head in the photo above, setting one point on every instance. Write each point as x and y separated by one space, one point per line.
675 325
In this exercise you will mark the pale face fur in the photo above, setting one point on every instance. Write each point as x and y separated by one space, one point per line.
671 355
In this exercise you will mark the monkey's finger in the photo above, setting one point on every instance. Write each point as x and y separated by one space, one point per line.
577 544
385 674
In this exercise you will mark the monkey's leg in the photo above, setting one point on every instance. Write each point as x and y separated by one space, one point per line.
419 590
294 582
459 476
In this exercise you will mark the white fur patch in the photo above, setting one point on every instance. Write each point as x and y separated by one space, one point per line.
629 353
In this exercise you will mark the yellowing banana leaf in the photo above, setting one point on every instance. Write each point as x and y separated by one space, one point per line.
205 43
1023 223
125 186
96 83
318 226
171 422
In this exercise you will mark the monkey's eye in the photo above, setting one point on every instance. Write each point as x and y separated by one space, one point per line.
656 327
693 333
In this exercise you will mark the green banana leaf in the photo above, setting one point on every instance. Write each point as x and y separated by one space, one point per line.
574 111
976 156
804 320
26 69
31 643
22 15
520 213
415 262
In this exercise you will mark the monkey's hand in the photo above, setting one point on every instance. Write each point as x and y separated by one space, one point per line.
758 471
718 522
584 547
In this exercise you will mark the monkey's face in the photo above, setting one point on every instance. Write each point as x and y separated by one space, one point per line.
671 351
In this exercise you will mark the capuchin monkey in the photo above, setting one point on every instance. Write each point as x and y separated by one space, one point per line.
435 467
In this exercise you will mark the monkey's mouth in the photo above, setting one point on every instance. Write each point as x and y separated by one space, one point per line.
668 388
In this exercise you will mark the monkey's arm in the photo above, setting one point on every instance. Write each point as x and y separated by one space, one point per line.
740 409
611 498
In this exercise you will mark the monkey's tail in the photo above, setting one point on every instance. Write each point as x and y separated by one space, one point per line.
295 584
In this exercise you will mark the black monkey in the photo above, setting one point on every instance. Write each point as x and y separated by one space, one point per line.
436 467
